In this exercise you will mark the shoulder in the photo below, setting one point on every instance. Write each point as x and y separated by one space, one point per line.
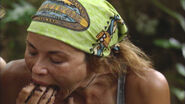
14 70
153 79
14 67
12 77
15 73
2 63
152 87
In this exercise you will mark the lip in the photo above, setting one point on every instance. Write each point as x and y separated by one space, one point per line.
40 82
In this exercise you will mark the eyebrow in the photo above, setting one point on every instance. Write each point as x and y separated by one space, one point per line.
57 52
50 52
30 44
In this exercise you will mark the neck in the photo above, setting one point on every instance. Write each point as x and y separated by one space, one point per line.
101 88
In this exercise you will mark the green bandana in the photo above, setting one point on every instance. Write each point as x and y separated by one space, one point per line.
92 26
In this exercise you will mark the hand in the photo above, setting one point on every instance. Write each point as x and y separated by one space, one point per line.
71 100
35 94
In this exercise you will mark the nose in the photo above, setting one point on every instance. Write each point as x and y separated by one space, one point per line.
39 68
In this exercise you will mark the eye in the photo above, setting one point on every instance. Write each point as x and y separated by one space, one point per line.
32 53
31 50
55 61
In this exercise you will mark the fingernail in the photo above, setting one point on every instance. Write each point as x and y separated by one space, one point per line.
71 100
44 71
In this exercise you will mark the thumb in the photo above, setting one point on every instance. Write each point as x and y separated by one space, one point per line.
71 100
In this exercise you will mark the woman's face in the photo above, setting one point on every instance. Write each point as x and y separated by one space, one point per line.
53 62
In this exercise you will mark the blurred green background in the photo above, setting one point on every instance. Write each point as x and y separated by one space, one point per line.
156 26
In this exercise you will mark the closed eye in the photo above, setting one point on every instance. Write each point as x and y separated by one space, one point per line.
31 45
31 49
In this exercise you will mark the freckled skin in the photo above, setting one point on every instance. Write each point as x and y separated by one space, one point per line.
51 62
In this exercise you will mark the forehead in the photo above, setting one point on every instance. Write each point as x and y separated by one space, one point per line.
46 43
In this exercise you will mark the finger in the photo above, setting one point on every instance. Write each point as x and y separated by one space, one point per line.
36 95
71 100
52 100
24 94
46 97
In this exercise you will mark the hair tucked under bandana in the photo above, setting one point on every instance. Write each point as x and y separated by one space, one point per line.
93 26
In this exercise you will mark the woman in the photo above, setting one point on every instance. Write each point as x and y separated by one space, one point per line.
77 53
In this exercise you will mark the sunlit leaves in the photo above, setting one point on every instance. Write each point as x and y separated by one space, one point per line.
183 50
21 13
180 69
168 43
183 4
146 25
2 12
172 13
180 94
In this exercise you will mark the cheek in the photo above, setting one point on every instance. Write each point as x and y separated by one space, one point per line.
69 75
60 72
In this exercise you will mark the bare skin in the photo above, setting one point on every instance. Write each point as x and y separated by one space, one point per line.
69 72
2 63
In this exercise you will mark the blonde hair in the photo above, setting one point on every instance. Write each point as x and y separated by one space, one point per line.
129 57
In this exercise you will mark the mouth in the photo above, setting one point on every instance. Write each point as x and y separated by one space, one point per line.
40 82
37 82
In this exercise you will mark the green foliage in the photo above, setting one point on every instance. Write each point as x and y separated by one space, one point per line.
2 12
172 13
181 69
183 4
13 28
168 43
179 93
183 50
174 44
145 25
20 13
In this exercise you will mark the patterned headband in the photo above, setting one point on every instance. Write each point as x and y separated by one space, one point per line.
92 26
